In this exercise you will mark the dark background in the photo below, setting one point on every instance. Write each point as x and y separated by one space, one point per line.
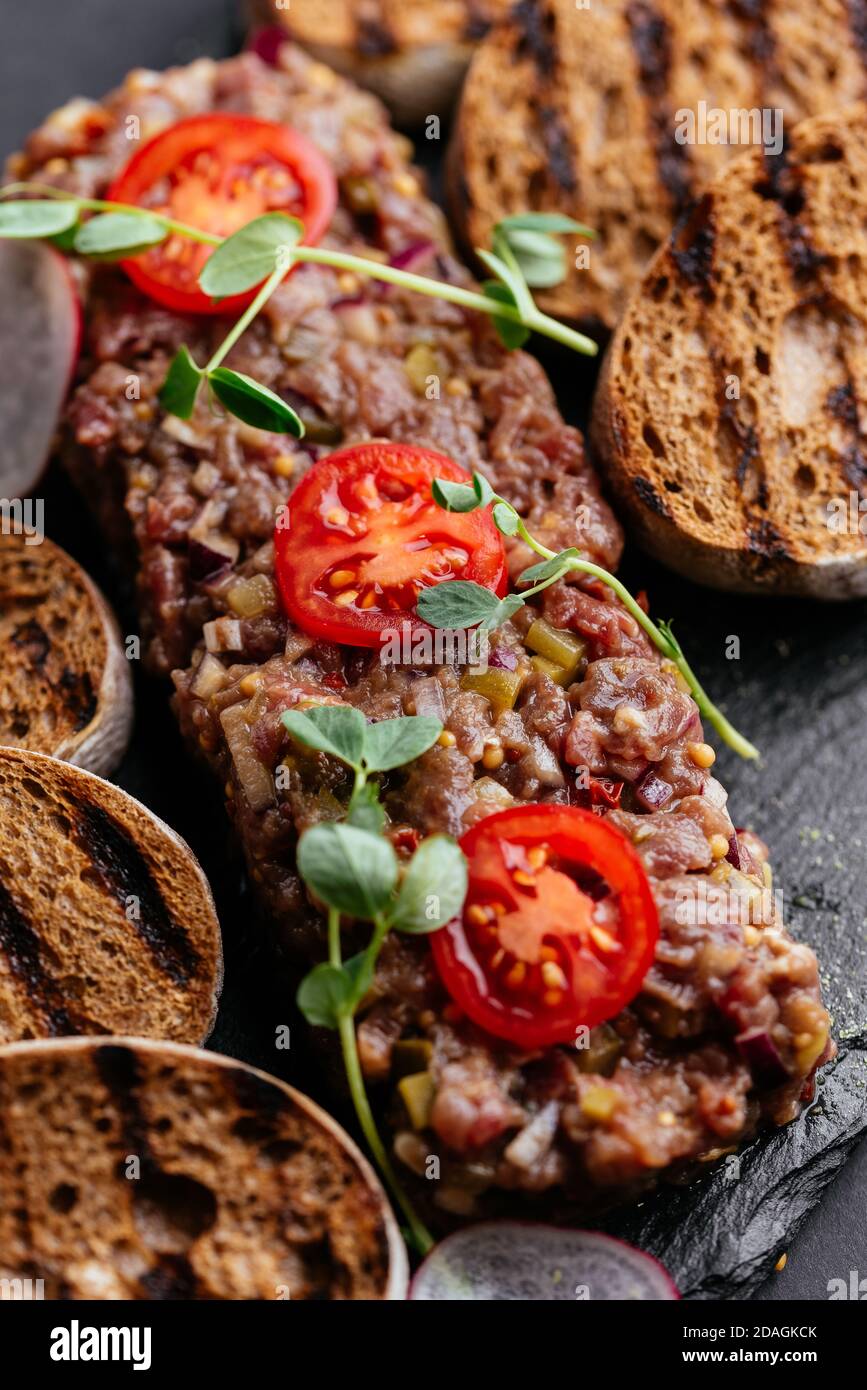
799 690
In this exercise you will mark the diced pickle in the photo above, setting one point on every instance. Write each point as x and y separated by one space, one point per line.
601 1054
499 686
420 363
417 1093
411 1055
250 597
557 645
558 674
362 194
598 1103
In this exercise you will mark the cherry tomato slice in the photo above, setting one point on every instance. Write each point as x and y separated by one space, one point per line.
558 929
362 536
216 173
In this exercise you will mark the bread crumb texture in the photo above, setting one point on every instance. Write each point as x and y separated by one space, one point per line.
137 1172
107 924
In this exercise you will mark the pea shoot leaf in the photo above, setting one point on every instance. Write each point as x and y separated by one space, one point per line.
456 603
394 742
254 403
502 612
506 519
365 810
348 868
336 729
454 497
32 218
180 388
505 267
542 222
325 994
248 257
539 256
114 234
433 888
512 335
547 569
483 489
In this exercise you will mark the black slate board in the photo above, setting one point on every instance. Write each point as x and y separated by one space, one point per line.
799 690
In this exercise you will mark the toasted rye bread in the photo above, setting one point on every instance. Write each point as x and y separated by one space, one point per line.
107 923
413 55
65 685
576 109
141 1170
731 406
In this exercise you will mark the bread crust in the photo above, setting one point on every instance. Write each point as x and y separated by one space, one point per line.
222 1204
66 686
107 921
413 56
577 110
726 417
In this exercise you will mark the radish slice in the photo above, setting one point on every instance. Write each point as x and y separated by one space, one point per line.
40 335
521 1261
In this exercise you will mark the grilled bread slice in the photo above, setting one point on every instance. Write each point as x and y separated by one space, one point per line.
413 55
65 684
579 108
107 923
732 407
140 1170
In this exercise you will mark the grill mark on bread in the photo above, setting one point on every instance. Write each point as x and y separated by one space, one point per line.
782 185
536 25
373 36
841 405
692 247
650 497
74 689
33 642
561 152
766 540
19 943
651 43
123 872
762 40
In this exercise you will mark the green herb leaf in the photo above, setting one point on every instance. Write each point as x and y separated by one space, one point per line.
433 888
503 264
360 970
512 335
335 729
542 222
253 403
454 497
32 218
180 388
504 610
119 234
325 994
506 519
456 603
542 259
483 489
547 569
365 809
251 255
394 742
348 868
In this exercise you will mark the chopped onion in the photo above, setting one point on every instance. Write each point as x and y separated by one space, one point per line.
210 558
412 256
540 762
223 635
652 791
427 694
253 777
760 1052
535 1139
209 678
360 322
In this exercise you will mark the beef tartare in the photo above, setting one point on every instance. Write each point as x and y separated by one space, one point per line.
576 708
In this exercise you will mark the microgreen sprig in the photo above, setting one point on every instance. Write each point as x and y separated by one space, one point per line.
354 870
525 253
461 603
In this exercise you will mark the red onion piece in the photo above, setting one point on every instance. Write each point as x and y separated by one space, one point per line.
266 44
411 257
652 791
206 561
503 658
759 1051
